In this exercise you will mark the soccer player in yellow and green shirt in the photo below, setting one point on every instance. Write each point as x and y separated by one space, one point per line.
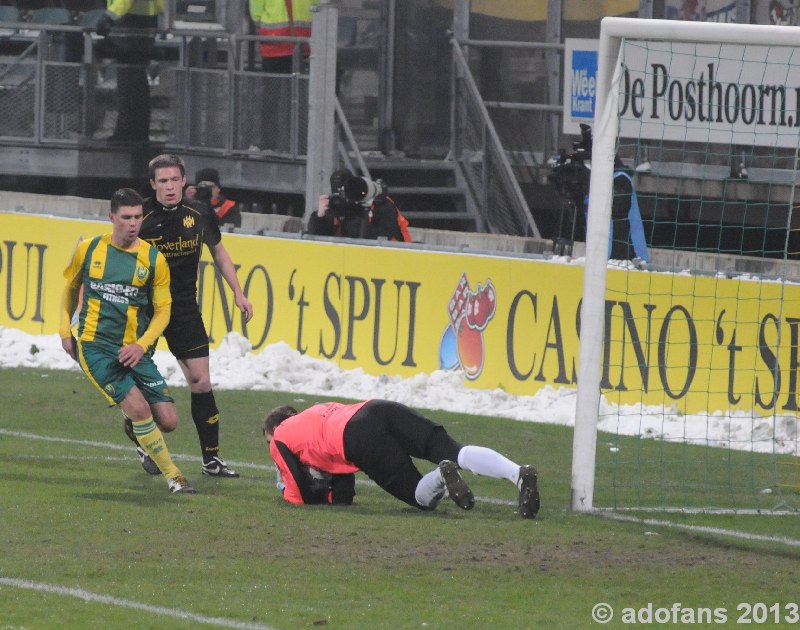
123 283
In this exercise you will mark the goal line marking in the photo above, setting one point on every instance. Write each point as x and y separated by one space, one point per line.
699 529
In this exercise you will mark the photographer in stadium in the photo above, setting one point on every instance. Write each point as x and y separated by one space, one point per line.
358 208
570 173
207 188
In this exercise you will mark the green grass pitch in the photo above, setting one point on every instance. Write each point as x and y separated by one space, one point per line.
89 540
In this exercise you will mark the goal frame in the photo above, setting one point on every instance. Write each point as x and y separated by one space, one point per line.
606 125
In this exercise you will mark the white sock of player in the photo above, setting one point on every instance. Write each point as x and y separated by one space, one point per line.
430 489
484 461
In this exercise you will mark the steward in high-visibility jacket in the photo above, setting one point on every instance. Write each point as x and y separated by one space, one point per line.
282 18
136 8
133 54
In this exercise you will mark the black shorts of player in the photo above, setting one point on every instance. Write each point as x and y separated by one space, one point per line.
186 333
383 436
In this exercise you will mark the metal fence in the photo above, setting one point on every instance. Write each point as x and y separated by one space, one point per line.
57 88
42 96
483 161
49 94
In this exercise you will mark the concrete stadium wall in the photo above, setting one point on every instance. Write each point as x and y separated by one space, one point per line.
435 239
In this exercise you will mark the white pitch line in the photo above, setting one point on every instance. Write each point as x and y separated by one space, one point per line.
700 529
127 603
94 597
69 458
119 447
48 438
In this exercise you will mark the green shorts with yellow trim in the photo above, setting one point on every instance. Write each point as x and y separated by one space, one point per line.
115 381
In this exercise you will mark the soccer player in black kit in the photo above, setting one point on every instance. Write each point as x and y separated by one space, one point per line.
179 227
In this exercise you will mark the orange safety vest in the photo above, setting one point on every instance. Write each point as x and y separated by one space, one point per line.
282 18
224 208
403 223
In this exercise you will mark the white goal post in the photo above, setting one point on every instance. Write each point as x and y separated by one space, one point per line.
613 34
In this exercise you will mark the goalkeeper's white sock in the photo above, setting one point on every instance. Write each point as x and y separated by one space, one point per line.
430 489
484 461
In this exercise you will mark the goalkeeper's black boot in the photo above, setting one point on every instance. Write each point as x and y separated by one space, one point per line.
217 467
148 464
457 488
528 492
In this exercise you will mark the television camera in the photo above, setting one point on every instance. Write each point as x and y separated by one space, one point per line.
569 173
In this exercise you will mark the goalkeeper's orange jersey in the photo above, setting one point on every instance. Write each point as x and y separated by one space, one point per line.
316 437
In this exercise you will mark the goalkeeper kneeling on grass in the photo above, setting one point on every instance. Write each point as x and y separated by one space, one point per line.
317 452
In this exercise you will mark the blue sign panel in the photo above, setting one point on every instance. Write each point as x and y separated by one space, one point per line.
583 84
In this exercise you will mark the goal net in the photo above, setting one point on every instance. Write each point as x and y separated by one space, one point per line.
689 364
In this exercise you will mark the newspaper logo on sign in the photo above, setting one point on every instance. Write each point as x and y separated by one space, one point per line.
584 84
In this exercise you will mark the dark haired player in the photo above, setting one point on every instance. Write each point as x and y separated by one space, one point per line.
179 228
122 284
379 437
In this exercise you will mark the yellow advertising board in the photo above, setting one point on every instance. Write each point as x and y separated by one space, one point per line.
695 343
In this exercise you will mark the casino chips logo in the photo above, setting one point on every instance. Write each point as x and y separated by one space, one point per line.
470 312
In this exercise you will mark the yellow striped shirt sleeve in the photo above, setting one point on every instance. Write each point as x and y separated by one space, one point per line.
69 297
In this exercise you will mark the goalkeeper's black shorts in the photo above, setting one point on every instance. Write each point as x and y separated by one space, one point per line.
383 436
